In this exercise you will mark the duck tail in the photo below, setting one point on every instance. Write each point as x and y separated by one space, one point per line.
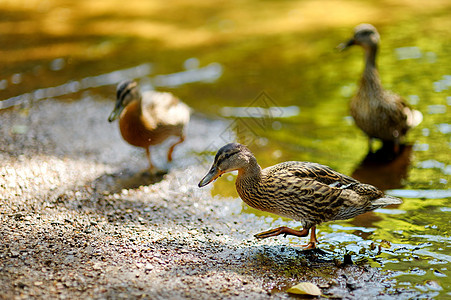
386 200
414 117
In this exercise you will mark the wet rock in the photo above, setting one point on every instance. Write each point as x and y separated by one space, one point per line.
351 285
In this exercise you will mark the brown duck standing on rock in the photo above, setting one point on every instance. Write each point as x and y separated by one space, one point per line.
379 113
150 118
307 192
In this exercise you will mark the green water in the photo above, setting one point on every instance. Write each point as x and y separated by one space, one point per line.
276 53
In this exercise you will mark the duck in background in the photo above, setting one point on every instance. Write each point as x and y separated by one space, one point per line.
149 118
380 113
307 192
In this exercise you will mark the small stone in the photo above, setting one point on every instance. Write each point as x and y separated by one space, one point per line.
324 285
352 286
333 282
19 216
15 254
148 268
69 259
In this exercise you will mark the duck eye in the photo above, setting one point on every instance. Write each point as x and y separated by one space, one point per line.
366 32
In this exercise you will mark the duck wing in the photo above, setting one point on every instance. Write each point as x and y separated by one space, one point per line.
399 115
315 193
308 170
164 109
304 191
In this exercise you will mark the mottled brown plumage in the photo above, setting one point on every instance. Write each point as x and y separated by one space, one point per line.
307 192
150 118
379 113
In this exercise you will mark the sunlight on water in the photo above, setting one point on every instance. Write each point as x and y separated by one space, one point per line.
260 112
75 86
209 73
421 194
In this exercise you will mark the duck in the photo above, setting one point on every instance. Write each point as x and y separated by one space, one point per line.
149 118
307 192
379 113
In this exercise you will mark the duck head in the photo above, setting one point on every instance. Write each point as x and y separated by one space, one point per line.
229 158
365 35
126 92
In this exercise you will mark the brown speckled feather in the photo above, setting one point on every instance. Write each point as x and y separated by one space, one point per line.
149 118
308 192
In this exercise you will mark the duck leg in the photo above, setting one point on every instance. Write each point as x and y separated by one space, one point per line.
281 230
151 166
182 138
288 231
313 239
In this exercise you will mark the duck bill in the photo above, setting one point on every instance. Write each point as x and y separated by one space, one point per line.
346 45
116 112
211 176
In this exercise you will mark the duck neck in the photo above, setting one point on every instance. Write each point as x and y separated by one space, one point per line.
370 56
250 174
135 106
370 79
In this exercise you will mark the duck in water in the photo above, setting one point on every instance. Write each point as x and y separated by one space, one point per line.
380 113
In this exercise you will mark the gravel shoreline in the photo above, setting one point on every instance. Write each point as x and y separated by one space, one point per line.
80 219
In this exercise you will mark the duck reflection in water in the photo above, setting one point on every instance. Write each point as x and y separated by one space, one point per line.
383 168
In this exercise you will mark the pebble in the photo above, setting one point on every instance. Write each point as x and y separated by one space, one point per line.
14 254
148 268
69 259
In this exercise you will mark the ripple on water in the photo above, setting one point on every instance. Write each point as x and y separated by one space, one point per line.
420 194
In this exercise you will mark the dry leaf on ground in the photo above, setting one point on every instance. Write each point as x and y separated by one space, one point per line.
305 288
